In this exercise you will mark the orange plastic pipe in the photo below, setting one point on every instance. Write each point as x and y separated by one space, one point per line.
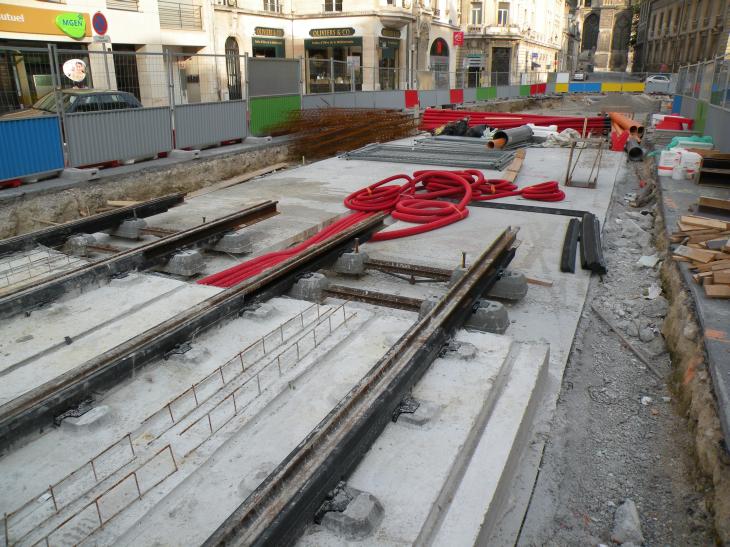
627 123
496 143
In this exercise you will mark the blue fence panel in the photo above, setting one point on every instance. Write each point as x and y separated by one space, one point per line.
677 104
30 146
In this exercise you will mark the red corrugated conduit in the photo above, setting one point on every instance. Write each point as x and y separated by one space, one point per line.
417 200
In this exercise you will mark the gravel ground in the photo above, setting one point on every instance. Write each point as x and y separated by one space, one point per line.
617 433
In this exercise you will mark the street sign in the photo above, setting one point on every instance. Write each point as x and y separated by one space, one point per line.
99 22
104 39
458 38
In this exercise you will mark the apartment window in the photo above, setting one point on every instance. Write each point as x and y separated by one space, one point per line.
332 5
127 5
503 14
272 5
476 14
587 3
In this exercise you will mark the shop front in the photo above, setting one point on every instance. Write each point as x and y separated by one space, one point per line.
25 65
389 59
333 60
268 42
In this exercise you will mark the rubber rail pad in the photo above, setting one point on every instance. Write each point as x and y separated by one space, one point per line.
590 245
570 246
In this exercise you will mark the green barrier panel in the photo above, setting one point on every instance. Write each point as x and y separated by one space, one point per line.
524 91
268 112
486 93
700 116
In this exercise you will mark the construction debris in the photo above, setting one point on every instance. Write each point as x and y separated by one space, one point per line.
704 245
320 132
434 154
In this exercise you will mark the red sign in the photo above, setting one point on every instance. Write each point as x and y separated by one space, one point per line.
98 21
459 38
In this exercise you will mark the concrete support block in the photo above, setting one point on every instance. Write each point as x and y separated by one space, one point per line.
80 175
130 228
78 245
510 286
234 243
94 419
457 274
351 263
185 263
358 521
489 317
185 155
425 413
310 287
428 304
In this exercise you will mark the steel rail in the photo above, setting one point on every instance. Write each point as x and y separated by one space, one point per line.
35 409
285 502
373 297
437 274
56 235
144 256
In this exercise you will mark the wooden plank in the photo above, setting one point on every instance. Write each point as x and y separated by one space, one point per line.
121 203
716 265
721 256
721 276
717 291
541 282
684 228
513 169
705 222
713 203
698 255
708 237
237 180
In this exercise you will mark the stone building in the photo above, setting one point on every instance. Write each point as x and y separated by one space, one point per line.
605 33
672 33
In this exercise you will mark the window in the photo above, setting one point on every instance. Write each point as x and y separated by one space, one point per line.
503 14
587 3
476 14
272 5
332 5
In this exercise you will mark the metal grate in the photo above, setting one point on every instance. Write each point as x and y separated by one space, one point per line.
174 15
126 5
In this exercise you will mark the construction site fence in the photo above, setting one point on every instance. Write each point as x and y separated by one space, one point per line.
154 102
703 94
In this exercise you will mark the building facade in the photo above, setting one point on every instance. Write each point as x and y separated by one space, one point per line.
673 33
605 30
507 38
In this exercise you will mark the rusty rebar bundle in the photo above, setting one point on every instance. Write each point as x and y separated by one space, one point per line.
323 132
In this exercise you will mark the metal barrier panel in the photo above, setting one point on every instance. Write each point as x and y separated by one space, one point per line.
515 91
317 101
689 105
30 146
677 104
443 96
486 93
365 99
201 124
269 112
550 89
470 94
656 87
592 87
390 99
268 77
524 91
427 98
503 92
344 100
717 125
98 137
561 88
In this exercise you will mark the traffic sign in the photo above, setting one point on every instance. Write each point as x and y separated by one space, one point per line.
98 21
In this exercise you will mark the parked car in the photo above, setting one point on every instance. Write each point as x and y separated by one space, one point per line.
657 79
78 100
580 77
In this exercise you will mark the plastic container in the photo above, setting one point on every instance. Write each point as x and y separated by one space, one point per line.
678 172
690 163
668 160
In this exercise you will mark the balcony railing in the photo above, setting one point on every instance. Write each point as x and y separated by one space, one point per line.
177 16
474 29
126 5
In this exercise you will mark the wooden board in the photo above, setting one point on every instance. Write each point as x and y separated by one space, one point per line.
709 237
714 203
717 265
121 203
698 255
717 291
722 276
513 169
237 180
705 222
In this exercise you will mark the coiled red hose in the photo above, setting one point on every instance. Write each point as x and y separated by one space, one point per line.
417 200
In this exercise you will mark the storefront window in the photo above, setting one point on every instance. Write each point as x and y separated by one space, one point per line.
389 52
342 73
440 63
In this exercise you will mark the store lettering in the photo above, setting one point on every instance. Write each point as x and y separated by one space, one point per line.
12 18
331 32
266 31
72 24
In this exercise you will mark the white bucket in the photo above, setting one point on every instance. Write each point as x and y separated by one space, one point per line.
690 163
678 173
668 160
